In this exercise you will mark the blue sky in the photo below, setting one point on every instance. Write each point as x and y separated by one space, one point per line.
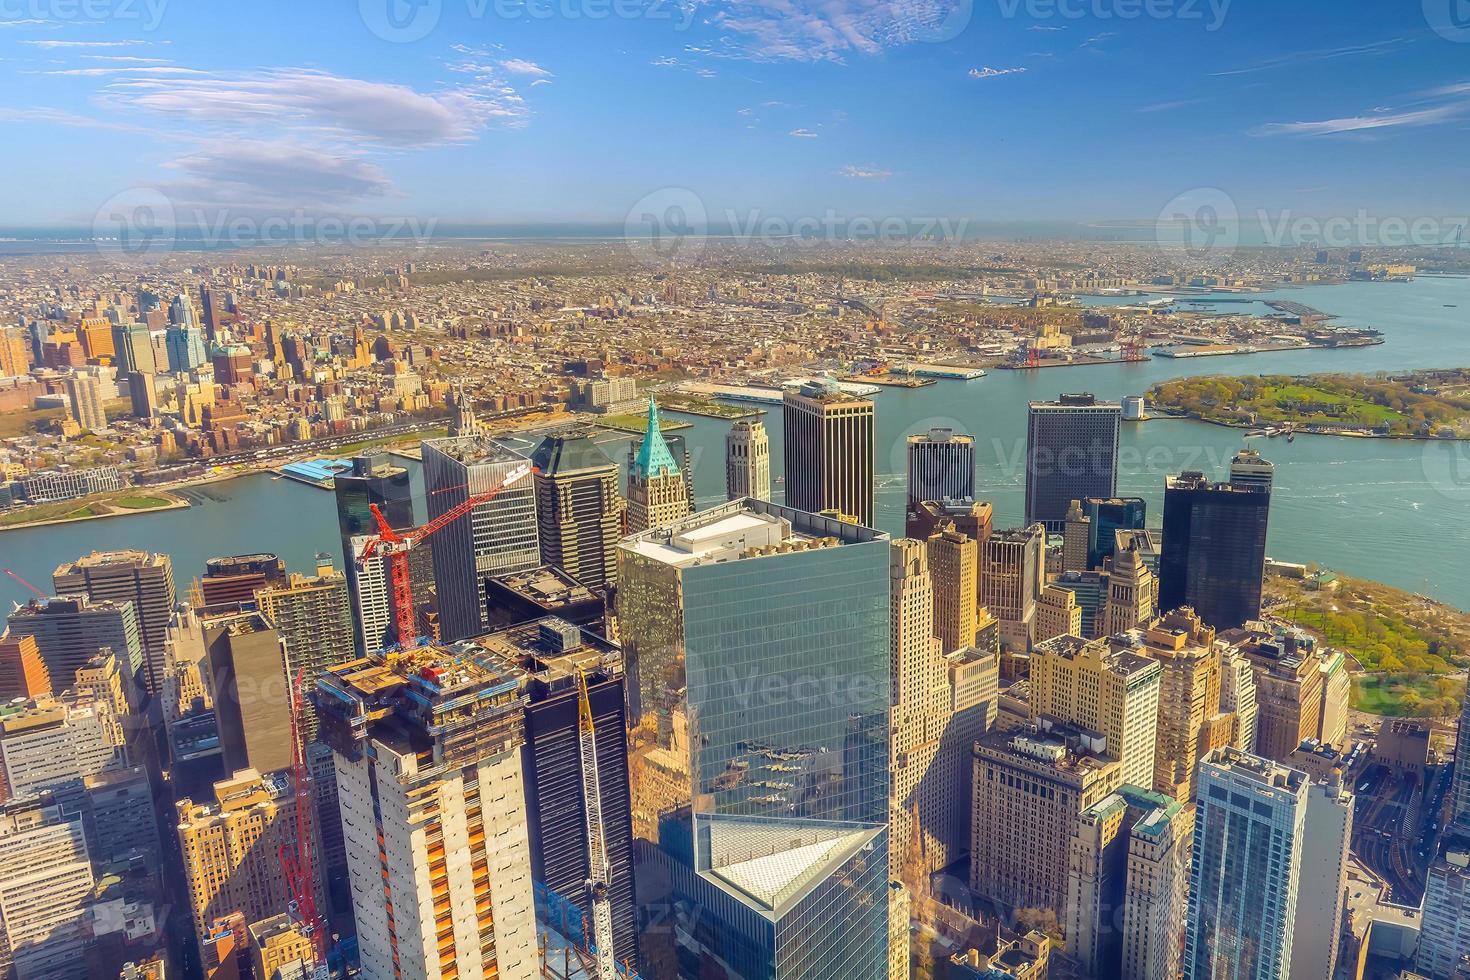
1004 110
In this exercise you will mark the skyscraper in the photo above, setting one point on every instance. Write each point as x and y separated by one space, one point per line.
1106 517
1250 822
71 629
146 580
132 344
658 492
1214 556
246 661
829 451
22 671
1012 573
954 566
1444 936
1130 591
84 396
427 750
1071 454
492 539
768 796
236 578
1321 892
1250 471
748 460
578 509
941 464
46 887
1460 786
186 350
314 620
1192 719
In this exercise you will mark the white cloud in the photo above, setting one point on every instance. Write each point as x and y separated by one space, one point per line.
61 117
84 44
994 72
264 175
825 30
1353 124
519 66
864 173
803 134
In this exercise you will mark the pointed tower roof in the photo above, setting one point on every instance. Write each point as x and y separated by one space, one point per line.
654 457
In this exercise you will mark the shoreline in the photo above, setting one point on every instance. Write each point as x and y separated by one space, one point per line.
1167 413
174 503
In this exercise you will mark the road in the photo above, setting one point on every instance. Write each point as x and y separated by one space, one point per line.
1394 826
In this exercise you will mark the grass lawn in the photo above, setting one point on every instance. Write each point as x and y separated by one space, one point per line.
104 503
1407 695
142 502
26 421
1350 409
637 422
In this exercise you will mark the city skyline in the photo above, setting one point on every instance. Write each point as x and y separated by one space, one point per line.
480 113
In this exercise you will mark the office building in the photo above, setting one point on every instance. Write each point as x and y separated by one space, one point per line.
1111 691
748 460
23 673
186 350
1251 472
312 617
954 566
974 702
1214 550
50 745
1299 690
829 449
1460 782
919 712
71 629
46 888
1444 935
280 948
1250 821
1076 535
578 510
941 464
492 539
1057 614
246 662
552 655
428 753
971 518
1012 573
1105 518
1071 454
1090 592
84 398
1031 786
1130 592
238 577
132 345
773 817
1111 841
658 490
146 580
1155 890
1322 888
231 848
541 592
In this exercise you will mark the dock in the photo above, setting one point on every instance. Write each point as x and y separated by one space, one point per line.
888 381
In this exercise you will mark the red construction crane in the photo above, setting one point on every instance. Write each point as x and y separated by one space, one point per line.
34 591
397 544
297 858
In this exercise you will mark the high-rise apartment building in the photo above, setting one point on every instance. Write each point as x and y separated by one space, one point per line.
236 578
1250 822
1020 846
84 398
1460 783
492 539
46 887
23 673
146 580
658 490
71 629
829 446
246 661
748 460
954 566
1071 454
1012 574
231 848
1214 556
1111 691
1322 889
552 655
1250 471
1155 890
768 798
312 616
578 509
1444 936
941 465
428 754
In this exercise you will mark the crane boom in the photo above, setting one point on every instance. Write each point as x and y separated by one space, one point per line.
597 870
31 588
298 862
395 546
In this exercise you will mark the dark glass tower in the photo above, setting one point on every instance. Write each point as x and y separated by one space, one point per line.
1109 516
1071 454
1214 556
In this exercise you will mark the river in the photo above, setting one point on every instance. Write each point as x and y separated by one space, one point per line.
1394 511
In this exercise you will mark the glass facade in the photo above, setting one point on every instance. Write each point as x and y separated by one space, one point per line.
1214 556
1108 518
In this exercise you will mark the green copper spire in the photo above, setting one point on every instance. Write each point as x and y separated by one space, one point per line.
654 458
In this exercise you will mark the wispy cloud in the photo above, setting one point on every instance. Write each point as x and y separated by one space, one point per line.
1354 124
824 30
988 72
51 43
519 66
265 175
1095 42
61 117
864 173
1169 106
1322 54
804 134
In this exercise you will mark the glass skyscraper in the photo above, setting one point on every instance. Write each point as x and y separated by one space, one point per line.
1246 868
1214 556
1071 454
757 644
1110 515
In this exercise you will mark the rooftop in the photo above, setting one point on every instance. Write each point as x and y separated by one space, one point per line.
473 449
569 452
744 529
546 585
776 862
